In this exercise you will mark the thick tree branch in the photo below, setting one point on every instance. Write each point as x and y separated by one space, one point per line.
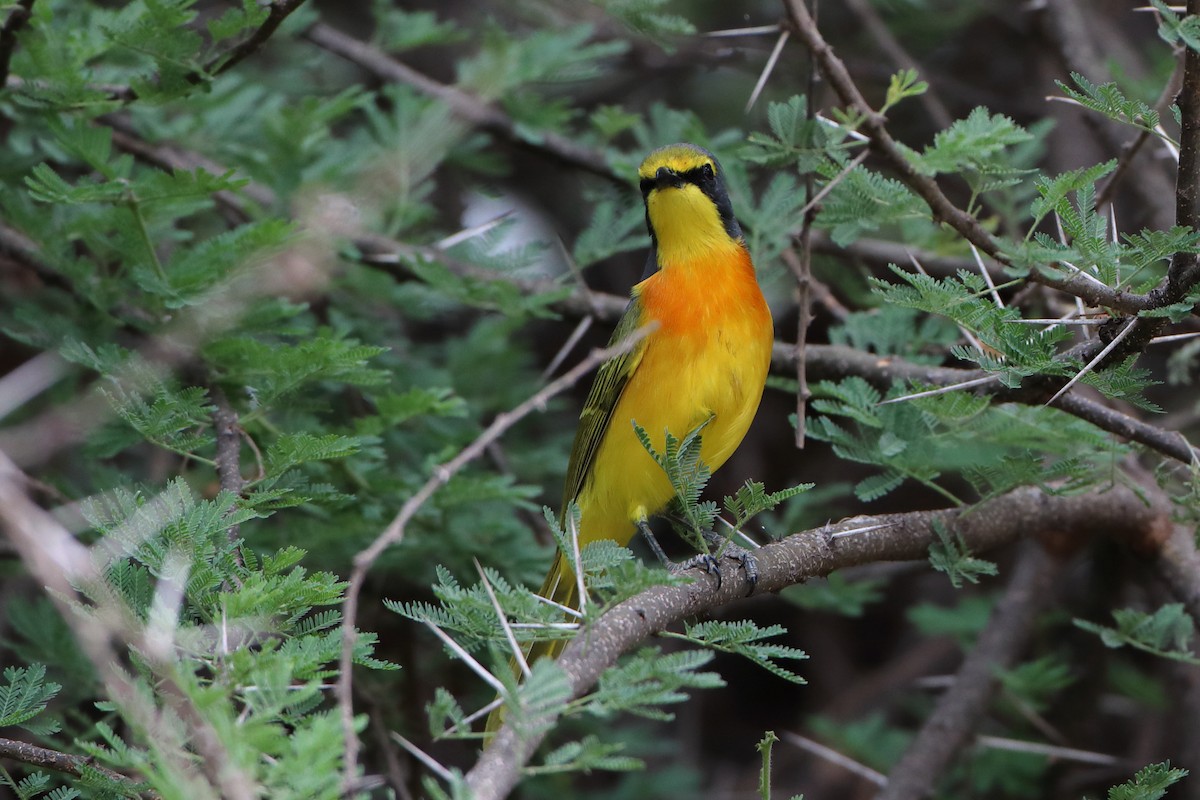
1187 186
954 720
1119 512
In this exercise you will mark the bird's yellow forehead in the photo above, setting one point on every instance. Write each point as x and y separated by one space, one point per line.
678 158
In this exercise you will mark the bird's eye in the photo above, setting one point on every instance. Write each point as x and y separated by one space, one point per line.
706 170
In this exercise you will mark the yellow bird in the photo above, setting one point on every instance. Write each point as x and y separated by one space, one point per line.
707 357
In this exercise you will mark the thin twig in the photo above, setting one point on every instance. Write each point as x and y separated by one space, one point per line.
755 30
835 362
987 277
582 327
772 60
170 157
1108 348
518 654
1047 750
394 533
954 387
878 254
801 264
29 380
834 757
833 182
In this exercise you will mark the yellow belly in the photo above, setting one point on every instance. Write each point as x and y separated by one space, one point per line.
686 374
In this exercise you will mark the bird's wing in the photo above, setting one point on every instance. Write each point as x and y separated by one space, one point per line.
602 400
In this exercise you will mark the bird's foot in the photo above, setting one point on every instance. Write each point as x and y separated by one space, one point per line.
712 565
706 561
728 549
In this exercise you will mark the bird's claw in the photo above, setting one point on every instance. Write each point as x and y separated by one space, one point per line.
712 565
705 561
749 565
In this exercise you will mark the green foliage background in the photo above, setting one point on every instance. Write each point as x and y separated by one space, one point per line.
366 264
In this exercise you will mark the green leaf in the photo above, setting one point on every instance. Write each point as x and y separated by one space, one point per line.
1054 190
615 227
398 29
1150 782
586 755
1109 100
293 449
744 638
235 20
752 499
1173 28
649 18
688 475
949 554
649 680
24 696
975 143
1166 633
865 201
903 84
795 139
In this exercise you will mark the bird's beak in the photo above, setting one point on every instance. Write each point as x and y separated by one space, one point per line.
667 178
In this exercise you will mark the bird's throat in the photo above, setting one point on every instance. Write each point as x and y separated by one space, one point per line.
687 228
